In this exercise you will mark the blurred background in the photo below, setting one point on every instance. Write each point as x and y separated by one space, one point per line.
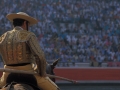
82 33
77 31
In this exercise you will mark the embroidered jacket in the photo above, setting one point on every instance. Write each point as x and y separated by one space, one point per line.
21 46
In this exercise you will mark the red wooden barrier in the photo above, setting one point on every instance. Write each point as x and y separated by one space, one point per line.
89 73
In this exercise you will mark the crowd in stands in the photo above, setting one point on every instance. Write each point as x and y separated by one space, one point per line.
73 30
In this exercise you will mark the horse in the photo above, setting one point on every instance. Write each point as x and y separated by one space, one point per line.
14 81
50 69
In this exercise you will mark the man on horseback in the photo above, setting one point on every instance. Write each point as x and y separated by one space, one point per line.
19 47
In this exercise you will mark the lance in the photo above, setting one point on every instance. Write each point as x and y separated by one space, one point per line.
34 73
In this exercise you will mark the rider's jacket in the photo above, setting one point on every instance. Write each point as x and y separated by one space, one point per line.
20 46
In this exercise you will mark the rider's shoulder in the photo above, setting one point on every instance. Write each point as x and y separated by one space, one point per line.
27 32
24 35
2 37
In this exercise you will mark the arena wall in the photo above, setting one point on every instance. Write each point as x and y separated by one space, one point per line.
88 74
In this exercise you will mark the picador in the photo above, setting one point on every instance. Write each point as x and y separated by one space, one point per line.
19 48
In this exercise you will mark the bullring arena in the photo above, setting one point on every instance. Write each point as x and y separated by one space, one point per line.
84 34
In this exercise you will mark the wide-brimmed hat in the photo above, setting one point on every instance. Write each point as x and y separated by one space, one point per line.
22 15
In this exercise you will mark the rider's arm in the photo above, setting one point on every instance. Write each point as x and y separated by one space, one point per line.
39 54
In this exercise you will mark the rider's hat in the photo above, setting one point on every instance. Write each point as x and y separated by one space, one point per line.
22 15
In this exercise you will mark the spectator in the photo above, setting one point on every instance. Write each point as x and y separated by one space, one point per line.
91 25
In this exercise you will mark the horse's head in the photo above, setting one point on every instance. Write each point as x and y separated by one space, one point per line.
50 69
